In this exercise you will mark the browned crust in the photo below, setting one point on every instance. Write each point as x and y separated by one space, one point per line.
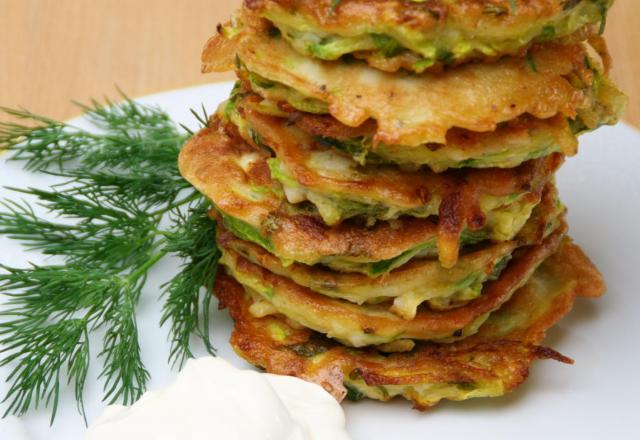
207 162
408 60
490 355
218 54
460 191
500 93
410 189
430 15
321 279
459 139
569 262
427 17
428 324
546 213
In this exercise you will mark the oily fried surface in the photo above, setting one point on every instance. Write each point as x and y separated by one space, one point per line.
236 177
491 363
422 16
417 281
222 167
510 145
374 324
475 97
438 31
420 280
331 173
536 306
462 199
213 156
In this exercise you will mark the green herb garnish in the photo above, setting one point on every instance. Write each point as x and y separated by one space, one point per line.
548 33
531 63
604 9
120 187
388 46
353 394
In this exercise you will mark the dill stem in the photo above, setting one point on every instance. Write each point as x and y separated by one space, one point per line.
133 277
189 199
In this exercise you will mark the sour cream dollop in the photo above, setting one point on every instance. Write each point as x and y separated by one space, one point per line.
211 399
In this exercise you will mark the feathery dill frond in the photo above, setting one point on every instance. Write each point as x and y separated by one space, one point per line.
188 294
118 184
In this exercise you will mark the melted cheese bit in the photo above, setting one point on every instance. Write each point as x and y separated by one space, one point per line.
213 399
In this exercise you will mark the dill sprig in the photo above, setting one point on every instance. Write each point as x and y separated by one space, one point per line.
120 184
51 311
192 239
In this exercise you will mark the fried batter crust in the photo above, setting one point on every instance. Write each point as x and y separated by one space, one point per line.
493 362
212 157
475 97
390 184
425 16
461 192
417 281
408 286
493 28
467 142
374 324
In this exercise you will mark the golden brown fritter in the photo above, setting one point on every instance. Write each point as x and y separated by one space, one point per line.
236 177
415 110
340 188
417 281
508 146
420 35
316 168
364 325
511 144
420 280
491 363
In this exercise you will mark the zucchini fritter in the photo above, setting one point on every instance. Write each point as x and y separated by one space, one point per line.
421 280
491 363
341 188
382 179
422 34
512 143
418 281
553 79
373 324
253 207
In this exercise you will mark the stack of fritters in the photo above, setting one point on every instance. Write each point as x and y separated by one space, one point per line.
383 180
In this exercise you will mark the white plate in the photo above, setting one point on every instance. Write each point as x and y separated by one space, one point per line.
595 398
